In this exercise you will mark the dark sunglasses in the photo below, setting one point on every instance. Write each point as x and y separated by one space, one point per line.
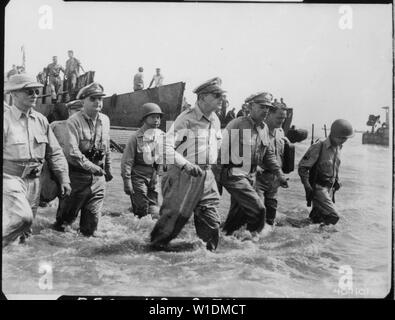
31 92
93 99
217 95
262 105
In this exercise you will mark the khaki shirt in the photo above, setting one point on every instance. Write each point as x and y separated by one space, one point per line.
141 150
329 164
195 138
277 142
53 70
30 138
83 134
72 66
138 81
248 144
59 128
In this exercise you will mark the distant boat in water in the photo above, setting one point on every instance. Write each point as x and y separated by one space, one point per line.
379 134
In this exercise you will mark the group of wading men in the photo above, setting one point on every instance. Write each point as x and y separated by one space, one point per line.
195 158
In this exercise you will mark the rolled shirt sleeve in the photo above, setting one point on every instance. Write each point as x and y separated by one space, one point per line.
307 162
128 155
172 140
56 158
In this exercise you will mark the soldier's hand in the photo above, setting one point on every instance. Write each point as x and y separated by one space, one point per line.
100 171
65 190
337 185
193 170
128 188
309 191
108 176
283 181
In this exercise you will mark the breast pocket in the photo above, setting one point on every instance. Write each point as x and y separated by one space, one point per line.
18 147
327 167
40 145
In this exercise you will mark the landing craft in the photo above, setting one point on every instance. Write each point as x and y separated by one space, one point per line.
378 134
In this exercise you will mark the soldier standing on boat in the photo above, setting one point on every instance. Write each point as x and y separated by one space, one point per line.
73 66
138 167
55 82
27 141
88 153
138 80
266 181
189 184
249 147
319 170
157 79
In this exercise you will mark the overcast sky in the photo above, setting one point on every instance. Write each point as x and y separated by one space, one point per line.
295 51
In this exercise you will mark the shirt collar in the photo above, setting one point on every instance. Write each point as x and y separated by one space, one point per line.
254 124
327 143
18 113
200 114
84 114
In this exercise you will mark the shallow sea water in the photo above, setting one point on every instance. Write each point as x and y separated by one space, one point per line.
284 262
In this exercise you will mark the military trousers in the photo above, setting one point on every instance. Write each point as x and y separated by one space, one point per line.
246 207
324 210
145 197
182 196
87 195
267 187
55 84
21 198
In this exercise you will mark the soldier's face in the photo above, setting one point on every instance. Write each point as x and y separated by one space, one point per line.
153 120
277 118
259 111
93 104
338 141
214 101
55 60
26 99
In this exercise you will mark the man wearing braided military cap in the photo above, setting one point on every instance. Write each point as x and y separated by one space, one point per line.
87 150
189 185
241 154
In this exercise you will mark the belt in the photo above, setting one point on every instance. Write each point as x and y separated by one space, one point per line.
205 166
23 169
326 184
229 166
80 170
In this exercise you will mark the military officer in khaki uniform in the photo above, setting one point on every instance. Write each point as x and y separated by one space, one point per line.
188 185
27 141
266 181
49 185
88 152
245 146
319 172
139 169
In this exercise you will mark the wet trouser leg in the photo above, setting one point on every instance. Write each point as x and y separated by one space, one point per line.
267 187
324 210
70 206
145 197
246 205
183 195
91 210
87 195
19 196
206 215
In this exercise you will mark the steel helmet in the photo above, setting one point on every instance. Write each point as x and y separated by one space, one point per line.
341 128
151 108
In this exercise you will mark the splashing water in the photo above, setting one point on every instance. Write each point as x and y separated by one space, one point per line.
282 262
